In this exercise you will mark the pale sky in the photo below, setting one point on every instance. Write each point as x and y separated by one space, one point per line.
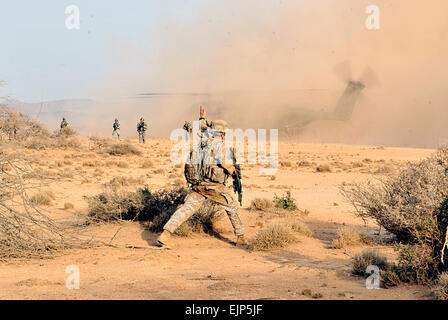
41 58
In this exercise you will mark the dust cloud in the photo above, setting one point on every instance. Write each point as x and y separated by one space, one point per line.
263 64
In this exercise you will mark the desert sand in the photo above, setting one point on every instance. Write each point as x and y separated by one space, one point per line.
204 266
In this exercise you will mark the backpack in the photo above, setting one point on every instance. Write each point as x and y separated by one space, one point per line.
192 171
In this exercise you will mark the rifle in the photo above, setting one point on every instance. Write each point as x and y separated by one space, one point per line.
237 186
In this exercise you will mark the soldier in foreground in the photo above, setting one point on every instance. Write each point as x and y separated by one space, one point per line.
208 180
141 129
64 123
116 127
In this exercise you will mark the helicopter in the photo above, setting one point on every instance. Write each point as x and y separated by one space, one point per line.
291 120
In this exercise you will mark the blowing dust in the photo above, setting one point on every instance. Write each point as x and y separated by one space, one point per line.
269 64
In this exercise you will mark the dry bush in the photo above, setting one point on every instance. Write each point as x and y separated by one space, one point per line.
65 143
416 265
348 237
68 205
413 205
274 235
299 227
407 205
114 205
153 207
147 164
441 288
279 234
159 171
98 143
122 164
120 149
43 198
125 181
304 163
25 230
18 126
367 258
286 164
323 168
260 204
65 132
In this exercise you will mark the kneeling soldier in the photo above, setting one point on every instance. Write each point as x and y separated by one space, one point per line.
207 180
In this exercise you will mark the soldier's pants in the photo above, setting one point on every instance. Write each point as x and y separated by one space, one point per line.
116 132
142 137
192 203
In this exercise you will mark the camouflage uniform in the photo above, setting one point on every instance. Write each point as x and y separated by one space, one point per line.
212 187
116 127
64 124
141 129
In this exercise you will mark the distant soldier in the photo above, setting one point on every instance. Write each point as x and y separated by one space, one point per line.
188 128
116 127
64 123
208 180
142 127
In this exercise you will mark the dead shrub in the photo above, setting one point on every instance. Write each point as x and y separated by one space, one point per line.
98 143
147 164
348 237
25 230
323 168
274 235
441 288
121 149
122 164
279 234
260 204
43 198
152 207
367 258
65 132
68 205
413 205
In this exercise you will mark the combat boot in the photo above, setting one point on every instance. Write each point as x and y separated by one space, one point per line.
164 239
241 241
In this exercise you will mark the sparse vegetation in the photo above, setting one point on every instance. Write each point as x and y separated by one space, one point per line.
323 168
68 206
120 149
367 258
278 235
441 288
286 202
153 207
348 237
25 230
260 204
413 205
66 132
43 198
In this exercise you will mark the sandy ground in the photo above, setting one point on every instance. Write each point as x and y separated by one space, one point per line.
204 266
